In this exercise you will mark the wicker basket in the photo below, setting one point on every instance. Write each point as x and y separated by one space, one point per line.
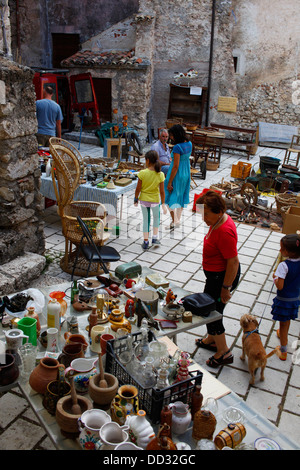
172 122
211 165
284 200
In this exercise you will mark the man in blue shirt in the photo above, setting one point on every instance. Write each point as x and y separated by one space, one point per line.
49 117
163 150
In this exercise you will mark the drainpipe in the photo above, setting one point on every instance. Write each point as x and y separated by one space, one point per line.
210 60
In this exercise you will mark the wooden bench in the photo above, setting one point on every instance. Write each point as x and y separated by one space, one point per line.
247 144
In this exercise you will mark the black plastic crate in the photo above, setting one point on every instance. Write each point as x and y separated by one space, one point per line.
150 400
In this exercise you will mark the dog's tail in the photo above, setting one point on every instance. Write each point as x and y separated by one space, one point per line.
271 353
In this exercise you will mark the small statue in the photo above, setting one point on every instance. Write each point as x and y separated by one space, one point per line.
170 297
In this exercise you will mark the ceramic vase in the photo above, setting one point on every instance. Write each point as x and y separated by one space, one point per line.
125 403
59 296
140 430
181 417
46 371
90 423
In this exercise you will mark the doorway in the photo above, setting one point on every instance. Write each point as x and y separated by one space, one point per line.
102 87
63 46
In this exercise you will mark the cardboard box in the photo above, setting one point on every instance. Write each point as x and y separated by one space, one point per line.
291 220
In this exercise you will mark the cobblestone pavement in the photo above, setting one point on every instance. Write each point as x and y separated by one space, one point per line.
179 258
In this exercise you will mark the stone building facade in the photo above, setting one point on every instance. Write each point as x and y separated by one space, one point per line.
246 50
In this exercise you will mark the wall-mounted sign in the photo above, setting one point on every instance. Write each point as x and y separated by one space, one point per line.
227 104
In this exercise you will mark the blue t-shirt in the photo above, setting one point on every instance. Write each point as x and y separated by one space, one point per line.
47 113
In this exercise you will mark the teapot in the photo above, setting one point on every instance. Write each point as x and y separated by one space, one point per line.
81 369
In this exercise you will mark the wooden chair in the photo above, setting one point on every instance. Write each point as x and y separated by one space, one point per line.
66 173
93 253
292 154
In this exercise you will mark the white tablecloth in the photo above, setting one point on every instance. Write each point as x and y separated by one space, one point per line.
87 192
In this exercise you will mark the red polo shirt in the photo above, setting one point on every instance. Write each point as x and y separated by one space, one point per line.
220 246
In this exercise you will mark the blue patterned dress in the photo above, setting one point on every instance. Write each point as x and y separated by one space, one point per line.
287 301
180 196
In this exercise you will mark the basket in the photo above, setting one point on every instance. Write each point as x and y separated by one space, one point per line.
211 165
152 400
241 170
172 122
284 200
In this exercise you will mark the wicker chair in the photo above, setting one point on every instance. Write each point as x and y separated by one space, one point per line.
67 170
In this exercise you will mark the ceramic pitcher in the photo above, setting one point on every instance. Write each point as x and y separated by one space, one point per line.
181 417
82 369
90 423
112 434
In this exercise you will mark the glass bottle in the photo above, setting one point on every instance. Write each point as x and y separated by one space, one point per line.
197 399
74 292
148 379
162 377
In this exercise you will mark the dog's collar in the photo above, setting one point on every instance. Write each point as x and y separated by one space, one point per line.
247 333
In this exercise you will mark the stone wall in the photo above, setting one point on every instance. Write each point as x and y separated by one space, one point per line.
20 200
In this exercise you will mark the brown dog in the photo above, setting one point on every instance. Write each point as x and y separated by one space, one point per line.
252 347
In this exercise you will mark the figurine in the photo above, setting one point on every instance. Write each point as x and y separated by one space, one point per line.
170 297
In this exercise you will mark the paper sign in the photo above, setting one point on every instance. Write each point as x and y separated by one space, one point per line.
195 90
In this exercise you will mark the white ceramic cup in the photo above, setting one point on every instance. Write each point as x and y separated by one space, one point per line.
14 338
52 339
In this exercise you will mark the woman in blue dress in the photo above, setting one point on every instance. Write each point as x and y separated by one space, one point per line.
178 179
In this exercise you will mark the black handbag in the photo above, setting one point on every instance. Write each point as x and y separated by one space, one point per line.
199 304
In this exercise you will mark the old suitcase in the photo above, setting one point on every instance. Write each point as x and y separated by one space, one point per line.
128 270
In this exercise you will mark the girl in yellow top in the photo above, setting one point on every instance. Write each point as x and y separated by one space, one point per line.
149 191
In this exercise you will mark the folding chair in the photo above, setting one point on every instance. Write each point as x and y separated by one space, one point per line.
92 252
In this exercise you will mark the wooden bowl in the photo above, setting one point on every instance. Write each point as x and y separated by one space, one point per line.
68 421
103 396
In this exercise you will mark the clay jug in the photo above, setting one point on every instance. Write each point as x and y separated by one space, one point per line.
197 399
82 369
46 371
125 403
161 442
70 351
9 371
166 418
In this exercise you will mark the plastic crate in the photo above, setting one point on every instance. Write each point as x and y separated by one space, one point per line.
241 170
151 400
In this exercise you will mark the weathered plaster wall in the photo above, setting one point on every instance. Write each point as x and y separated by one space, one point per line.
266 37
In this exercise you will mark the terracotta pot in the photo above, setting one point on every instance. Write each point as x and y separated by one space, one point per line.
9 371
103 396
46 371
67 421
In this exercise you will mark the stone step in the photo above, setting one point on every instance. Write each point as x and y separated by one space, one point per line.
16 275
86 137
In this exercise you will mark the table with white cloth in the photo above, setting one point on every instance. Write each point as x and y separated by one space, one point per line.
87 192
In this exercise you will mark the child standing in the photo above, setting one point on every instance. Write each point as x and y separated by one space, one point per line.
149 190
287 280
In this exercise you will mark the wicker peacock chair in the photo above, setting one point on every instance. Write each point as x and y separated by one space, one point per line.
67 171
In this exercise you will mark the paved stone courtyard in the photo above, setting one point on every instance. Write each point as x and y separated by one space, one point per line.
179 258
